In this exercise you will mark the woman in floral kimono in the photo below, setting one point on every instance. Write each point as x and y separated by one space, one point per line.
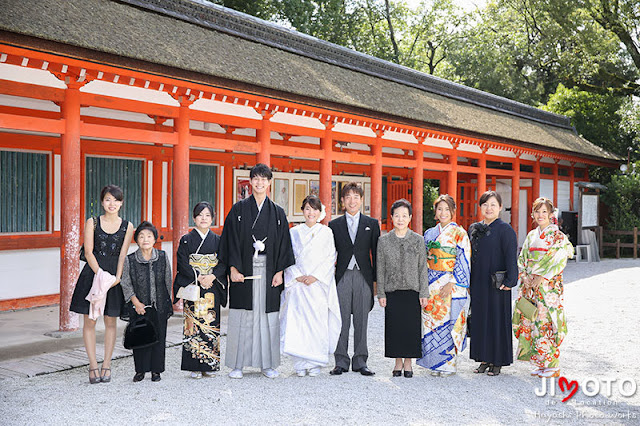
541 262
310 321
445 316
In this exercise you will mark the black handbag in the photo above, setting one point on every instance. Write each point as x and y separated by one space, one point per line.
142 331
497 278
82 256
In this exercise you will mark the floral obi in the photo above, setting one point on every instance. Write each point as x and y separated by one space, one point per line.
441 258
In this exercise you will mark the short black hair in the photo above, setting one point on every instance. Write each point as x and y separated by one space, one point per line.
401 203
261 170
352 187
114 190
485 197
197 209
313 201
145 225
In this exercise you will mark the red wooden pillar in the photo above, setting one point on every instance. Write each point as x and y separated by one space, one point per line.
229 184
156 188
326 169
482 179
376 178
263 135
71 209
452 177
418 187
536 179
515 194
554 169
571 185
180 182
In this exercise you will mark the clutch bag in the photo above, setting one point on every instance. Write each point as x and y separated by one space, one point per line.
190 292
527 308
497 278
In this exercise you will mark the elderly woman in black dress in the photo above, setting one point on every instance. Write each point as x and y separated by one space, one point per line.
494 249
403 289
146 282
106 243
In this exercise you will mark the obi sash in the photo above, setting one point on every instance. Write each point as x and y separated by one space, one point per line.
441 258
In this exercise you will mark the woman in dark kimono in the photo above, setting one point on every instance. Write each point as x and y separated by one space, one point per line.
198 264
146 281
494 247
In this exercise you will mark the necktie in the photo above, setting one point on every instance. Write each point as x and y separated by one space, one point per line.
352 229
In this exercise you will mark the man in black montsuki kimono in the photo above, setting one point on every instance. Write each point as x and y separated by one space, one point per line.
256 247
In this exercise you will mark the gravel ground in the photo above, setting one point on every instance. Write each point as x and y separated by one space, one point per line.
602 343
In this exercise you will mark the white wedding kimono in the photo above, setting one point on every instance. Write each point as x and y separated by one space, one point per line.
310 319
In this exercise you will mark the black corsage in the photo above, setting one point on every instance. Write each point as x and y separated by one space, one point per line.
477 231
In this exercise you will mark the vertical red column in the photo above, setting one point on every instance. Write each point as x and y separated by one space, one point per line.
418 187
326 169
482 179
156 196
452 176
180 182
571 186
555 182
376 178
71 209
515 194
263 135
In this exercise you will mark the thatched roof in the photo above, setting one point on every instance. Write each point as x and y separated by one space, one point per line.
217 44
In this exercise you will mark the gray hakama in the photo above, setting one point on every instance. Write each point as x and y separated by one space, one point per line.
253 337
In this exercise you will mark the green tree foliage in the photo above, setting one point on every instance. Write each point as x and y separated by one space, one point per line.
597 117
623 198
431 192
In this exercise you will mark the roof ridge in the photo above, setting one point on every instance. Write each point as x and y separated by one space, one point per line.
209 15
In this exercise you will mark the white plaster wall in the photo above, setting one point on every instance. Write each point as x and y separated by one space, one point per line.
28 273
564 196
503 187
546 189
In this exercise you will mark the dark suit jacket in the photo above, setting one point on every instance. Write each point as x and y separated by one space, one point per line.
364 248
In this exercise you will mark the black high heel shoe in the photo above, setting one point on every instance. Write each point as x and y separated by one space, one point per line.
408 374
396 373
482 368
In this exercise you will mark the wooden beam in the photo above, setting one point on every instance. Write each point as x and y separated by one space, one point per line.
31 124
127 134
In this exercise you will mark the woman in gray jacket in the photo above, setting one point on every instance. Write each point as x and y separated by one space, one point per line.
403 288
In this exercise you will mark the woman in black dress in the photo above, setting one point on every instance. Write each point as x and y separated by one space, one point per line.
106 242
146 281
197 263
494 247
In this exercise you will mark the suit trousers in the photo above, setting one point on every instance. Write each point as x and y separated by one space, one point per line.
354 297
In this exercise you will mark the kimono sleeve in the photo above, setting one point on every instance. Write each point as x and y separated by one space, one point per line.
509 243
285 250
185 275
230 253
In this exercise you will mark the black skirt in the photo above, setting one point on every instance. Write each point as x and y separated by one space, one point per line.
114 306
402 327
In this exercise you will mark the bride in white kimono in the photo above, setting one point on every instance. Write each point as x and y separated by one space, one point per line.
310 319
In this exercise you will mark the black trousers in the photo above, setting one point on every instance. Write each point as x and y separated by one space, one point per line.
152 358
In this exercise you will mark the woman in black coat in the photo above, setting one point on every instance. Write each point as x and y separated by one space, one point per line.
494 248
146 282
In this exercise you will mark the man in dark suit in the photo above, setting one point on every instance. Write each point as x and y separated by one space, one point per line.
356 239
